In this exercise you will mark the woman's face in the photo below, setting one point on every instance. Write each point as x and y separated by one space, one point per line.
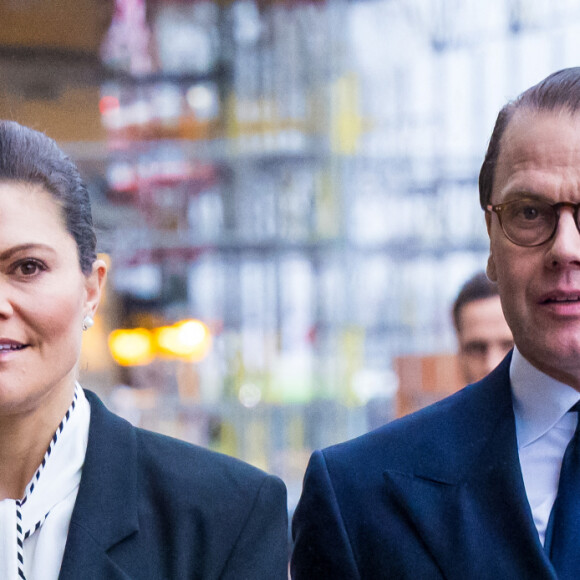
44 297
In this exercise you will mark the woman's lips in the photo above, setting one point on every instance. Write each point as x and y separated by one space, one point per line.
10 346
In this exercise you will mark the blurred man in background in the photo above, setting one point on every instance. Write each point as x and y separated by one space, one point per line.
483 335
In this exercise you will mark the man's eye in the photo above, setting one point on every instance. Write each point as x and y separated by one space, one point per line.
523 214
475 348
529 212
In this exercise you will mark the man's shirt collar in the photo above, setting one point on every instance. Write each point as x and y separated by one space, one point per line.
539 400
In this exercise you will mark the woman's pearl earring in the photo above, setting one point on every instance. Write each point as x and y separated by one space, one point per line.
87 322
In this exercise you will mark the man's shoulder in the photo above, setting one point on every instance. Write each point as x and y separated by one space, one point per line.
446 429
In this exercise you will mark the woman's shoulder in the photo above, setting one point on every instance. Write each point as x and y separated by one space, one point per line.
167 463
203 483
168 453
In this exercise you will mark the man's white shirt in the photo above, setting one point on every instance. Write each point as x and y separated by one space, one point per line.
543 429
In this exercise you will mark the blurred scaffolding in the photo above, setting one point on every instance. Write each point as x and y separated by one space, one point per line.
302 178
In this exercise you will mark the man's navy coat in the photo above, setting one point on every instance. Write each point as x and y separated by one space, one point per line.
152 507
437 494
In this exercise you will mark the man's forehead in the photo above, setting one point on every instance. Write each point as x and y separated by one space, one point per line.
526 123
537 145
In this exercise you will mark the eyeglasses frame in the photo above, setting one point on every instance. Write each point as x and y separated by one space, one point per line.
498 208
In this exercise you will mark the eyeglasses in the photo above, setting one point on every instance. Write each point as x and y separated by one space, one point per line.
531 222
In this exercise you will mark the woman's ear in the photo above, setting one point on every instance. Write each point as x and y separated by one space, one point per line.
95 283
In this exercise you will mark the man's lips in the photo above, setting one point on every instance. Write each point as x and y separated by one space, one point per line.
560 297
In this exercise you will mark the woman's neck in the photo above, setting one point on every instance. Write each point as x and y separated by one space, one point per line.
24 439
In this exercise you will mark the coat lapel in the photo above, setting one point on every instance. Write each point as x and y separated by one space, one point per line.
105 511
467 498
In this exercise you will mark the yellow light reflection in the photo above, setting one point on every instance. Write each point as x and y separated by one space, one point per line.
188 339
132 347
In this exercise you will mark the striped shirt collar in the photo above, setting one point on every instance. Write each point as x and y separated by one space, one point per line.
56 481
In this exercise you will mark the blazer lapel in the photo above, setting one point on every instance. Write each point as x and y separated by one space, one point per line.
467 499
105 511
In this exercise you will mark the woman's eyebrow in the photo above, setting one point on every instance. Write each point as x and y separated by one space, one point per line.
7 254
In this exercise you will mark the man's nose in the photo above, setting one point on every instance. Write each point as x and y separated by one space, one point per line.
564 247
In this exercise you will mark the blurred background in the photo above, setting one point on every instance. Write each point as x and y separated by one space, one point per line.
286 193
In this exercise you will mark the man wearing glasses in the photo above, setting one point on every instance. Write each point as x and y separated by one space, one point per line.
486 483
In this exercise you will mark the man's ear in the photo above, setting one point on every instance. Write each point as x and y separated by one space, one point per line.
95 283
488 222
491 270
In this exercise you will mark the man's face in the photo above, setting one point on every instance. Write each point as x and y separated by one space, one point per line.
540 286
484 337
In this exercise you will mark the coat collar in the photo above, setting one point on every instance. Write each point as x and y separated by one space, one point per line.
465 496
105 511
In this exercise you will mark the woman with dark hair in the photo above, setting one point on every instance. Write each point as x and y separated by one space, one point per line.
84 494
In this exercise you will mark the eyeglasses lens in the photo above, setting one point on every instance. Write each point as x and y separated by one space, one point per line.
528 222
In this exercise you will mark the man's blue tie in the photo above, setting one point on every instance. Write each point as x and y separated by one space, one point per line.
563 533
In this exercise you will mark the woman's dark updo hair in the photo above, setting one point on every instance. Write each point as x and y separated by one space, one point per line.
28 156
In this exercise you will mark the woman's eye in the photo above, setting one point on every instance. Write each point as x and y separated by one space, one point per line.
29 268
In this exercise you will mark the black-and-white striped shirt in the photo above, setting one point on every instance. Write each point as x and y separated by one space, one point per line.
33 530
